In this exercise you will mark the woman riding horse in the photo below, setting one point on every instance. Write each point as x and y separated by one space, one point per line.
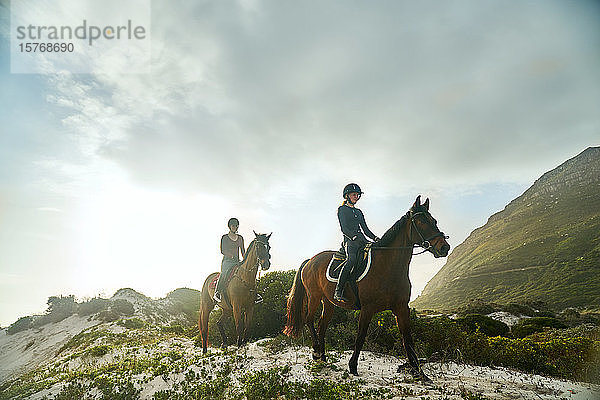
353 224
232 244
240 293
385 287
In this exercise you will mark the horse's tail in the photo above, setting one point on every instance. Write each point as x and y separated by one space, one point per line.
295 305
206 306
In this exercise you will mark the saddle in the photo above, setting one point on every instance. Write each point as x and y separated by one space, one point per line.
360 269
213 284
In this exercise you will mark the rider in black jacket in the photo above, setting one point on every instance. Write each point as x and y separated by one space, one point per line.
354 229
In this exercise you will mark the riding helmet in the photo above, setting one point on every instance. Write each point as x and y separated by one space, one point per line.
233 221
351 188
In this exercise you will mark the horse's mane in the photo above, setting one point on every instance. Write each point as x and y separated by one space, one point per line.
252 244
247 253
391 233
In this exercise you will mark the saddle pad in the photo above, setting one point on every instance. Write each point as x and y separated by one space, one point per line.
213 284
360 271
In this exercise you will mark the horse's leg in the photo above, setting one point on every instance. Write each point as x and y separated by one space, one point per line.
239 324
328 309
402 314
363 325
247 320
313 304
203 325
224 314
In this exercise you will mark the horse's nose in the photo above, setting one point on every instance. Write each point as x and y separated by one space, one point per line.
445 249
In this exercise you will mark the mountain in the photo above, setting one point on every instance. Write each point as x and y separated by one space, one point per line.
544 246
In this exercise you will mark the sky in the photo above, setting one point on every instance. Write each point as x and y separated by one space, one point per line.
265 110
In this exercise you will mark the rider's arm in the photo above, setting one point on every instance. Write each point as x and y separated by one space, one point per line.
365 228
242 248
223 245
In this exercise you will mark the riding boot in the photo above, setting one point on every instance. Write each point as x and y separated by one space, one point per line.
341 284
219 289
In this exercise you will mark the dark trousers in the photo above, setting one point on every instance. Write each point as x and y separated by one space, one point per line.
352 247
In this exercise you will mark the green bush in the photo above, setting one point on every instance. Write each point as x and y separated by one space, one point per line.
98 351
122 307
266 384
441 336
20 325
93 306
484 324
184 300
177 329
61 307
529 326
270 315
132 323
108 315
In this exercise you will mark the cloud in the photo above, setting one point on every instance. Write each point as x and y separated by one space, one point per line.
249 97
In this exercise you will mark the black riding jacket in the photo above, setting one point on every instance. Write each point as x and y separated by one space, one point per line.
352 222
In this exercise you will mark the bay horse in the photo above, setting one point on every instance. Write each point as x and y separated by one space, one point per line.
385 287
240 292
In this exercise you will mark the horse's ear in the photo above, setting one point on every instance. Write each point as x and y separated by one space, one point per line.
426 204
255 234
417 202
269 236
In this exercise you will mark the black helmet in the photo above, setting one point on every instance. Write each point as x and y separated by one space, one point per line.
351 188
233 221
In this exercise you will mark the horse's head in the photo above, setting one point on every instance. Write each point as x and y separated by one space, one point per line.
424 230
261 241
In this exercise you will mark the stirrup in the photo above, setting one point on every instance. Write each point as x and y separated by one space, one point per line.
217 297
340 297
258 299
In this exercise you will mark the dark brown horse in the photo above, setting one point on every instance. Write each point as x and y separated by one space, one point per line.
385 287
241 293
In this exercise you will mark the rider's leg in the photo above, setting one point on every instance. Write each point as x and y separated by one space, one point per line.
225 271
351 254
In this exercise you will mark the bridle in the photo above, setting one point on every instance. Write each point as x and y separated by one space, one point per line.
249 286
425 242
258 258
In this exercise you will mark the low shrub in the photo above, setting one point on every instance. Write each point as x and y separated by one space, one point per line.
177 329
93 306
528 326
122 307
484 324
132 323
20 325
98 351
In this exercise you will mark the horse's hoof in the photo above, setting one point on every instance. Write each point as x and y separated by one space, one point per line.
323 358
423 378
316 356
354 371
403 367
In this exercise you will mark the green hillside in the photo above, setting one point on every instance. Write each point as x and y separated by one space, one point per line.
544 246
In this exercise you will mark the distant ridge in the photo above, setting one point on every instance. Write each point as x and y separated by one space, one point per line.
544 246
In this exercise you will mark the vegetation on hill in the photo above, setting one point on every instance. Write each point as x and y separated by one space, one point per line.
544 246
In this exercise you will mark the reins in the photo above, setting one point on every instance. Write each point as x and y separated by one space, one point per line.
425 243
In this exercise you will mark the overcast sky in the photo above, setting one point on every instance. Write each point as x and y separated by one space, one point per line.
264 111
